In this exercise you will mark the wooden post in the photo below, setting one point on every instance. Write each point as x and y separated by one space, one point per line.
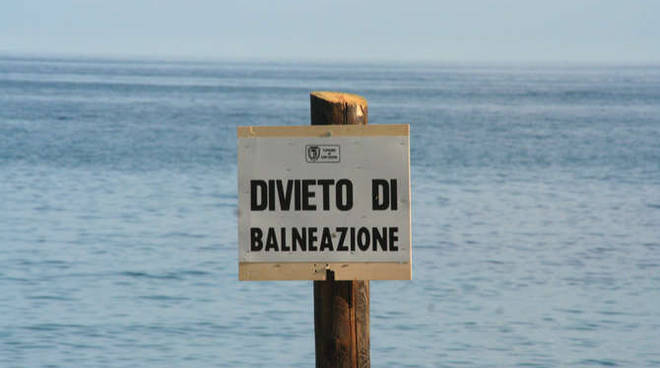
341 308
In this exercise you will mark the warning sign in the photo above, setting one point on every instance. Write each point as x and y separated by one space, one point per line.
313 198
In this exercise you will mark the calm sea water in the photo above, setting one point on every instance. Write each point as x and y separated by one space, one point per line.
536 215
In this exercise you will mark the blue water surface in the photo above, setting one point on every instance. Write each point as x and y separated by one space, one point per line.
536 214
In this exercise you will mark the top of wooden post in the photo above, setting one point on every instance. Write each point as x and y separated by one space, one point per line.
337 108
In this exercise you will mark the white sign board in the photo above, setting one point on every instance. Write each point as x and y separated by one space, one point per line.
313 198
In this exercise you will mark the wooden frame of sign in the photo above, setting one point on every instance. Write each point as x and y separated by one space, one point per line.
319 198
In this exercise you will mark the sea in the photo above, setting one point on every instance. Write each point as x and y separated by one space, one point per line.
535 214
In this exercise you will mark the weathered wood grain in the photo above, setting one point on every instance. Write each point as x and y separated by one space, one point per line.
341 308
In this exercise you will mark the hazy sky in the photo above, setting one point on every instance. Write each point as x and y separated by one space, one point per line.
482 31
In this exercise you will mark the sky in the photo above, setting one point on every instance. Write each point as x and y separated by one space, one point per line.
437 31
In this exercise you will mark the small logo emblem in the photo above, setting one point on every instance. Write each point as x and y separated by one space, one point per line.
322 153
313 153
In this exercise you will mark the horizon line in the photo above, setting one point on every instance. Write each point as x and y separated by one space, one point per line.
180 58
